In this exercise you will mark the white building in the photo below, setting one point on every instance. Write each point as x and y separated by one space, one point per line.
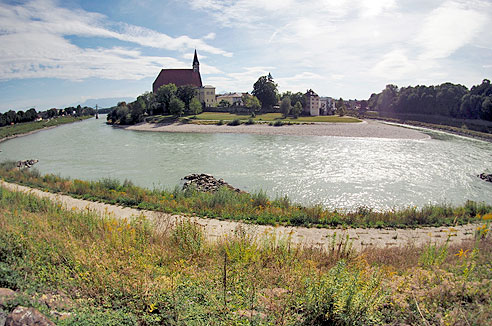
327 106
231 98
312 103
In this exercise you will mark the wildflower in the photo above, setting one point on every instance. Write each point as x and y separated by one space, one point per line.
480 228
487 216
151 307
462 253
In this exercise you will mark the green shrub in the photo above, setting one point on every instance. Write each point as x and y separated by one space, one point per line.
235 122
188 237
250 121
345 296
220 122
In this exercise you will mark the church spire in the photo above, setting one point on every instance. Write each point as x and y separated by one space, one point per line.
196 64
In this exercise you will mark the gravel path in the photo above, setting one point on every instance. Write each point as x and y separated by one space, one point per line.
368 128
216 229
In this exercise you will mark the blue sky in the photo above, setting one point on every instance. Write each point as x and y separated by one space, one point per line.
58 53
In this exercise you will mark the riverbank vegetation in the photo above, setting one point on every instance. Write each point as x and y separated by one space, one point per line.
27 127
214 117
109 271
251 208
442 103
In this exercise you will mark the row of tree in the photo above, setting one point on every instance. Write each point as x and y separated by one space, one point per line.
447 99
12 117
169 99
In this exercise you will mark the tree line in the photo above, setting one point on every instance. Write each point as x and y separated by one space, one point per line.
13 117
168 100
451 100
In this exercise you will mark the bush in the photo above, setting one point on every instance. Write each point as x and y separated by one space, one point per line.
250 121
220 123
345 296
188 237
235 122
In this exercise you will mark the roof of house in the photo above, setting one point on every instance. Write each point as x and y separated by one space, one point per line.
231 95
310 92
179 77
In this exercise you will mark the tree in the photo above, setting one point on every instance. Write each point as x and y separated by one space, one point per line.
176 107
341 108
137 110
285 106
297 109
224 104
186 93
150 101
195 106
164 95
252 103
266 91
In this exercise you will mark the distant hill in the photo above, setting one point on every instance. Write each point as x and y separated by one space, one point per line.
106 102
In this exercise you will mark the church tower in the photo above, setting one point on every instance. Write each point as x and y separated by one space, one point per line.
196 64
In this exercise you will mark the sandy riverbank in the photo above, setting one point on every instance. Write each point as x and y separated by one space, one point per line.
372 129
215 229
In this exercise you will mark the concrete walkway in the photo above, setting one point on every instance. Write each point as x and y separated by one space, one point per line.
215 229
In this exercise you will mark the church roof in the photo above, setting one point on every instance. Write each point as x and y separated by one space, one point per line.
195 59
179 77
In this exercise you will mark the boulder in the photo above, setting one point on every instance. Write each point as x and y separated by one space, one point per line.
22 316
6 295
206 183
486 177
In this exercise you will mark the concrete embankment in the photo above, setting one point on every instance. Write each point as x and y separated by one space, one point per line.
216 229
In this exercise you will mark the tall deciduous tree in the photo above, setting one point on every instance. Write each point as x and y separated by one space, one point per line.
176 107
297 109
285 106
252 103
164 95
195 106
265 89
186 93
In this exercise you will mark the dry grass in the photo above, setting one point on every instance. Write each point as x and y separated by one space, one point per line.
124 270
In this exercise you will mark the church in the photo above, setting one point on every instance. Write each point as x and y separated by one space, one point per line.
182 77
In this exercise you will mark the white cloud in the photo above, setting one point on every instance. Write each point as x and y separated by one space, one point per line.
34 45
369 42
448 28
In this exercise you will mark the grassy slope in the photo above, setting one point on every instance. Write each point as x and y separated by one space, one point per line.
253 208
122 272
26 127
268 117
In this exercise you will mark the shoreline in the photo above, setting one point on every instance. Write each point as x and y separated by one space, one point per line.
29 133
37 130
476 135
216 229
364 129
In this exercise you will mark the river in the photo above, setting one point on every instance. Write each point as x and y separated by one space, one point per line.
336 172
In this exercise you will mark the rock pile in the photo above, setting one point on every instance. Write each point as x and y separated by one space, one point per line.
22 316
206 183
486 177
26 164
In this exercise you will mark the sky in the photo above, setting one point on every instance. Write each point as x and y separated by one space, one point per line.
59 53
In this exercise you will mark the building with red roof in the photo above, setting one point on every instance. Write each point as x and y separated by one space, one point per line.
183 77
179 77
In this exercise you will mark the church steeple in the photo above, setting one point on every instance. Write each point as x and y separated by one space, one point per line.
196 64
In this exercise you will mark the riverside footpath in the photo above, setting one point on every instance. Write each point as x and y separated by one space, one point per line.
216 229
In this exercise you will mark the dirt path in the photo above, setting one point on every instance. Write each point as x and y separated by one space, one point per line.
216 229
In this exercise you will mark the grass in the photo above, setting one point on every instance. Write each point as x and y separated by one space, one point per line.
26 127
255 208
273 117
213 117
124 272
